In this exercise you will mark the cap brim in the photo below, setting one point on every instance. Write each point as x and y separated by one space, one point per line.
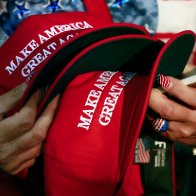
175 54
58 60
135 53
53 65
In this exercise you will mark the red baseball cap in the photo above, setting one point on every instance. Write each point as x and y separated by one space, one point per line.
41 48
18 57
46 60
37 36
141 50
89 149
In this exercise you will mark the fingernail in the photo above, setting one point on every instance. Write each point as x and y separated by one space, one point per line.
164 81
160 125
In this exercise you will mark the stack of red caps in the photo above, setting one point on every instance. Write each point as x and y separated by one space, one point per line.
90 145
105 75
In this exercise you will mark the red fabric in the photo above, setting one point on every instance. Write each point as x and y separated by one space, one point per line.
132 184
93 160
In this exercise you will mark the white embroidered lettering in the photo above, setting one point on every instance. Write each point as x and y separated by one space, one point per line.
42 38
29 48
104 78
61 41
109 105
91 103
52 45
11 68
46 53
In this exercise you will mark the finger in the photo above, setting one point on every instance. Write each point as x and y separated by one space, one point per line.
15 125
184 140
181 91
16 161
183 130
169 109
22 167
188 68
177 131
37 134
10 99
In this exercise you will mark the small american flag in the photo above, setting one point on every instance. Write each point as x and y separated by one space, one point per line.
164 81
142 151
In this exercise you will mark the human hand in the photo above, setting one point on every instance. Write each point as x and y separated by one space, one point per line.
180 112
22 134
